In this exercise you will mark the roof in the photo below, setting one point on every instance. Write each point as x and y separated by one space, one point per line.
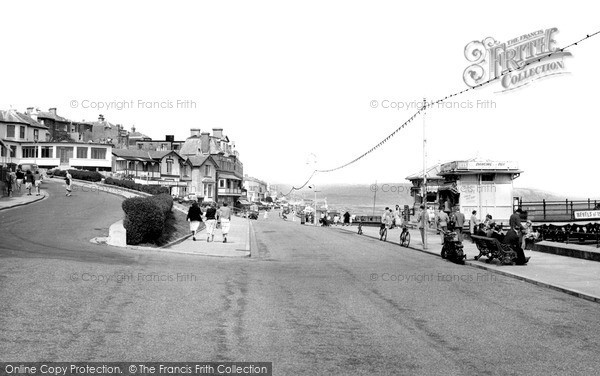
198 161
144 154
228 176
12 116
193 146
432 174
137 134
53 116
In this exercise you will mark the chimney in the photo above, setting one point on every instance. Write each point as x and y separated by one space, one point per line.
194 132
170 138
52 111
100 117
29 110
218 132
205 142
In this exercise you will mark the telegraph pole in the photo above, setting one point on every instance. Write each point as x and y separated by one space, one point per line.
425 213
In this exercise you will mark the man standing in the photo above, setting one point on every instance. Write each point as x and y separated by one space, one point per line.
225 217
473 223
514 222
442 222
420 225
459 219
211 221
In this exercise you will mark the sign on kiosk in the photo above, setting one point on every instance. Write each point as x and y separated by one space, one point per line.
587 214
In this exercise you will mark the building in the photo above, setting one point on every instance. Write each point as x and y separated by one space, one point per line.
204 178
135 137
230 169
165 168
169 143
25 140
256 190
485 186
104 132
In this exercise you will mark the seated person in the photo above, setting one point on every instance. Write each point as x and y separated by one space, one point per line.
497 233
490 229
512 239
480 230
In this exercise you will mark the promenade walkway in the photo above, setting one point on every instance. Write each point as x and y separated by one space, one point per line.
570 275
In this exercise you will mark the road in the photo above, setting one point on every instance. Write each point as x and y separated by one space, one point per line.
310 300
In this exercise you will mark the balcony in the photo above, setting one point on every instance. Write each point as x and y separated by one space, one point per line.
230 191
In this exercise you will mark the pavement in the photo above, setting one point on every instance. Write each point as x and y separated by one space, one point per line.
573 276
238 242
22 198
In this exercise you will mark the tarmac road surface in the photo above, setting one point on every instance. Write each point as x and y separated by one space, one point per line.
310 300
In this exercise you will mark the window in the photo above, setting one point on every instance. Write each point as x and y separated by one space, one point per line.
82 152
221 183
10 130
488 177
207 170
140 146
36 134
22 131
208 190
29 152
169 165
46 151
98 153
2 151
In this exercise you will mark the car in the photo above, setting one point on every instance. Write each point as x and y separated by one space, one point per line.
28 166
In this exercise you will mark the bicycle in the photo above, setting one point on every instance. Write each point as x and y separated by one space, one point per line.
404 237
383 232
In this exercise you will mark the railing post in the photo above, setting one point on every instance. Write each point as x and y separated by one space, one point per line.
572 212
567 206
544 206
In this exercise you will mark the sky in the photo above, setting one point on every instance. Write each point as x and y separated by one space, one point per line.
310 85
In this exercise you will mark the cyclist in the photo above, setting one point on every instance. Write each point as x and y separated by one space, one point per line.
386 222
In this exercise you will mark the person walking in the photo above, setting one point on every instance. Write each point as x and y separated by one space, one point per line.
459 222
29 181
68 184
225 217
346 219
37 182
194 216
211 221
20 176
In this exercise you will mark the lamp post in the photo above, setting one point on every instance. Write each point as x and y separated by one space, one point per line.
313 187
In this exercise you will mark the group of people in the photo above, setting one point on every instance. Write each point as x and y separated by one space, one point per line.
516 236
392 218
211 217
444 220
327 220
14 181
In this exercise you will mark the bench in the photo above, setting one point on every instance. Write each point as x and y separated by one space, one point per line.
493 249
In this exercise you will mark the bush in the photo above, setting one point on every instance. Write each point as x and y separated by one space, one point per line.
78 174
130 184
145 217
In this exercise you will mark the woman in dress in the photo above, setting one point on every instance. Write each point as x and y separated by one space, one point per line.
194 216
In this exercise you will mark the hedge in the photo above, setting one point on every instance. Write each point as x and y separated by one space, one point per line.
78 174
130 184
145 217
